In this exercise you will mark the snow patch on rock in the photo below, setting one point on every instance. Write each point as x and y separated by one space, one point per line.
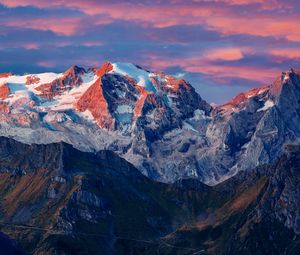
268 104
141 76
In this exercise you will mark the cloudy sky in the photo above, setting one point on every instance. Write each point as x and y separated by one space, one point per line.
221 46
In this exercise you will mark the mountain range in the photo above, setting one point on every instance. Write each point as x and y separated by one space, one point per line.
58 200
155 121
121 160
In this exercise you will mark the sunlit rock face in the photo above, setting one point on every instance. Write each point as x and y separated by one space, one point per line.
155 121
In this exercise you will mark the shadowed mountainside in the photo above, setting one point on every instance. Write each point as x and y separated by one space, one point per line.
58 200
8 246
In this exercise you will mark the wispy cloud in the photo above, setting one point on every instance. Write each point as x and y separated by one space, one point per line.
225 41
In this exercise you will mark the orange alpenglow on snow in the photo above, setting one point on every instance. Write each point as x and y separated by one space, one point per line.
104 69
4 91
137 112
94 101
31 79
5 75
69 80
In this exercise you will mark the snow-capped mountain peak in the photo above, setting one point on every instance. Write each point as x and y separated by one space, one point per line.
113 96
141 76
156 121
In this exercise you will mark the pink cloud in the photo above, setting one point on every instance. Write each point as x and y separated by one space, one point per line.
262 75
287 53
93 6
63 26
264 4
226 54
92 43
206 63
219 15
37 3
31 46
47 63
215 71
280 27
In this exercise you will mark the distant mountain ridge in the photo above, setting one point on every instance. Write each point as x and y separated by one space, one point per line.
155 121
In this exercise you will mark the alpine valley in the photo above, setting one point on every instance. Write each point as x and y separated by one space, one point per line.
121 160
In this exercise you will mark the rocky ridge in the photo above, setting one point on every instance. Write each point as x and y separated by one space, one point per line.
155 121
58 200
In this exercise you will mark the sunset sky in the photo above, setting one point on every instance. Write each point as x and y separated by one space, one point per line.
220 46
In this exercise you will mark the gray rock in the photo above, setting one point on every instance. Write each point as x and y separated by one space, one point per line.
250 130
52 193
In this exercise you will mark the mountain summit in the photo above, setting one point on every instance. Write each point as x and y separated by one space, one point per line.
113 97
155 121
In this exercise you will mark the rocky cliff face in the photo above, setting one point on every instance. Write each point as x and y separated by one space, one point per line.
155 121
58 200
253 128
119 107
259 216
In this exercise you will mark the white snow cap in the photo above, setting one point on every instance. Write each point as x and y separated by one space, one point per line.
21 79
141 76
268 104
